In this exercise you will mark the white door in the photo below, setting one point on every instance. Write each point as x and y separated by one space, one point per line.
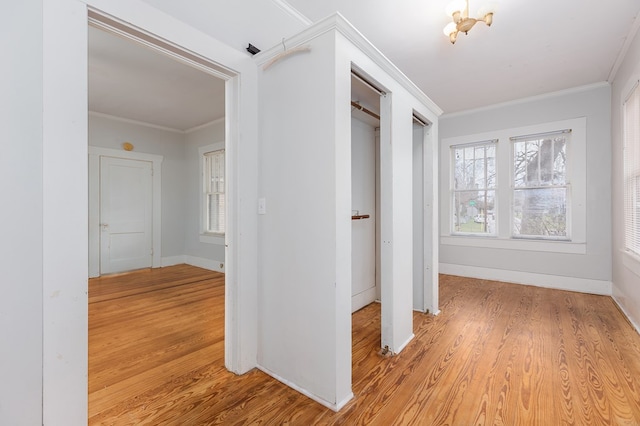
363 203
125 214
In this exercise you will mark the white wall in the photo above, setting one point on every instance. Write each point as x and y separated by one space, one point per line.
590 271
65 219
625 281
298 340
44 175
21 186
305 235
193 247
111 133
181 182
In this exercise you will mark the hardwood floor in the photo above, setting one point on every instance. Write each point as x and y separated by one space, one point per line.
499 354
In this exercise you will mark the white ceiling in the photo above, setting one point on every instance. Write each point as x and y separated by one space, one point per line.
532 48
132 81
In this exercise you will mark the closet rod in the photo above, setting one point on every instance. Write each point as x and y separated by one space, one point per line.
368 83
420 121
363 109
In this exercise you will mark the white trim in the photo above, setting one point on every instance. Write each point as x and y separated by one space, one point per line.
212 239
362 299
404 344
172 261
631 262
635 26
338 23
292 11
520 101
200 262
515 244
205 237
626 313
581 285
211 264
155 126
94 203
332 406
202 126
576 214
139 123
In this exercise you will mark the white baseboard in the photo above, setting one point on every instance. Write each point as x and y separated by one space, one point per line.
626 314
210 264
172 260
581 285
362 299
335 407
404 345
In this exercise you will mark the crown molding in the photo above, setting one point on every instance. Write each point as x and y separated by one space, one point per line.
633 31
292 11
337 22
520 101
139 123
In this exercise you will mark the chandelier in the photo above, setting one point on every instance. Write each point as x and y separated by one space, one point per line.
459 11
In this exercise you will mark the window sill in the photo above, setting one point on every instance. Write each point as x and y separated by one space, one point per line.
212 238
631 262
515 244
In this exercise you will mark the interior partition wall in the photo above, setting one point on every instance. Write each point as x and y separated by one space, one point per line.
304 336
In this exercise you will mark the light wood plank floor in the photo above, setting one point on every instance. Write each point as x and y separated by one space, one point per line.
498 354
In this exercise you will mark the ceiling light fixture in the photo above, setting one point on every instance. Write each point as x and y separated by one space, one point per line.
459 11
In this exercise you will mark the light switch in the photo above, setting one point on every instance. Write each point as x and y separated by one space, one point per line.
262 206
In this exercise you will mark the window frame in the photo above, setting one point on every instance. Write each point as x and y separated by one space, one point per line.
631 179
453 190
205 235
576 177
567 185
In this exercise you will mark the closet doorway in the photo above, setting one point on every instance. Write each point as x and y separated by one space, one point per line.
365 193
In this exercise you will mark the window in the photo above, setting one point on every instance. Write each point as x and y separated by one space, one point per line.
631 117
540 190
214 191
521 188
473 189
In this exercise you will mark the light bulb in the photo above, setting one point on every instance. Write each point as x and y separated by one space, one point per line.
450 28
455 6
486 9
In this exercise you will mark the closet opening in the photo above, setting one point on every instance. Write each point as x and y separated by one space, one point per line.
365 193
421 215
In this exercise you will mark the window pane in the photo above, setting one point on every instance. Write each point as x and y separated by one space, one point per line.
540 162
474 212
491 166
214 188
474 166
540 212
215 204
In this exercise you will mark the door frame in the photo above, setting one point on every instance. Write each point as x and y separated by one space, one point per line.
95 153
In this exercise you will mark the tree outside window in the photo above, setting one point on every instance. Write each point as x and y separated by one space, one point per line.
541 191
474 183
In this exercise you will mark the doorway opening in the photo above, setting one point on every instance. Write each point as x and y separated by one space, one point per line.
365 192
152 104
422 216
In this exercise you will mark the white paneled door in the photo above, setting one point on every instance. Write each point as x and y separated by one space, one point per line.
125 214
